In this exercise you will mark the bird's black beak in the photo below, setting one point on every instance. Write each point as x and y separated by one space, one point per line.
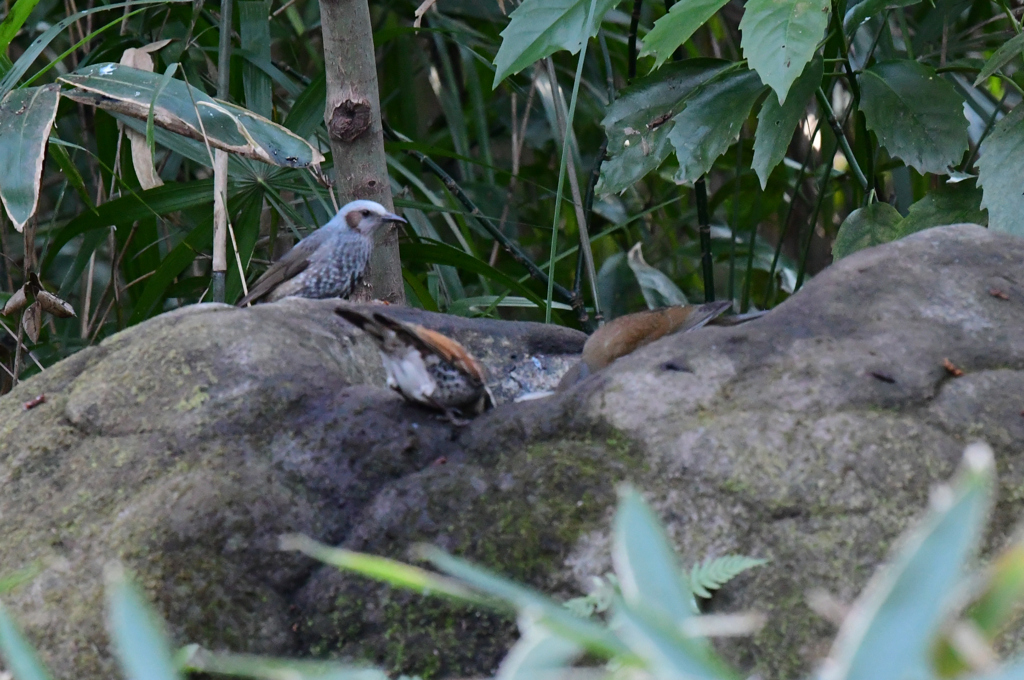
392 217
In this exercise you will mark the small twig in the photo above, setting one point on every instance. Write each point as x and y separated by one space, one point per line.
282 8
806 249
634 26
844 143
17 348
704 225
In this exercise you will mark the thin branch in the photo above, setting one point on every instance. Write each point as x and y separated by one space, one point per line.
844 143
700 188
634 26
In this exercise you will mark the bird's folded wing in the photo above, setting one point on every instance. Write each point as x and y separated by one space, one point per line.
293 263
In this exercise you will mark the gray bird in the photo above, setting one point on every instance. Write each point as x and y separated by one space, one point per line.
327 263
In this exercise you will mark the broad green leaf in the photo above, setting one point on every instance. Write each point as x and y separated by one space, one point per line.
780 37
645 562
1000 167
40 44
712 120
917 116
539 28
890 631
14 20
254 31
137 632
381 569
18 656
712 574
538 607
676 27
639 120
130 91
125 210
858 13
538 654
664 651
776 122
657 288
866 227
949 204
199 660
1007 51
307 113
26 116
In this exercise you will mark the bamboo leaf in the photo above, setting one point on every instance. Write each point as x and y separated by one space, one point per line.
26 116
129 91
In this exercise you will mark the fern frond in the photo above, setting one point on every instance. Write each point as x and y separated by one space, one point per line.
714 573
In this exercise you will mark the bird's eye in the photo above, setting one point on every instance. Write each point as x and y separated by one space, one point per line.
366 213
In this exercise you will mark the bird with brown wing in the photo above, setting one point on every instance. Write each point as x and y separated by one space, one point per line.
425 366
327 263
630 332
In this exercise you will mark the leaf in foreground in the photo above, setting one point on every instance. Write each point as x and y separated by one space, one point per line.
865 227
137 632
658 289
26 116
17 653
780 38
1000 168
917 116
890 631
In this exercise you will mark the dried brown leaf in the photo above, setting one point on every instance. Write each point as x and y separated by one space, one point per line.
16 302
54 305
32 321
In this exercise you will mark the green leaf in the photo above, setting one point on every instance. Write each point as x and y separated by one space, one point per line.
19 577
639 120
43 41
657 288
21 660
890 631
776 122
917 116
538 654
645 562
26 116
137 631
442 253
949 204
714 573
60 154
780 37
14 20
665 652
857 13
130 91
1007 51
381 569
307 113
539 608
866 227
254 31
676 27
125 210
539 28
1000 167
199 660
712 120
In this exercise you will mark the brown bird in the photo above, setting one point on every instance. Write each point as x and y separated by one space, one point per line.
426 367
623 335
327 263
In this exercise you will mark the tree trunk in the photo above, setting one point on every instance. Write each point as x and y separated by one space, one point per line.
353 124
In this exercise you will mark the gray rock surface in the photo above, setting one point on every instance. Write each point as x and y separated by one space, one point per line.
811 436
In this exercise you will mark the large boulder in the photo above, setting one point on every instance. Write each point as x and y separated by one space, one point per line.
185 446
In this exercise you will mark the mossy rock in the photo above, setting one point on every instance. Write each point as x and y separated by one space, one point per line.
185 446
